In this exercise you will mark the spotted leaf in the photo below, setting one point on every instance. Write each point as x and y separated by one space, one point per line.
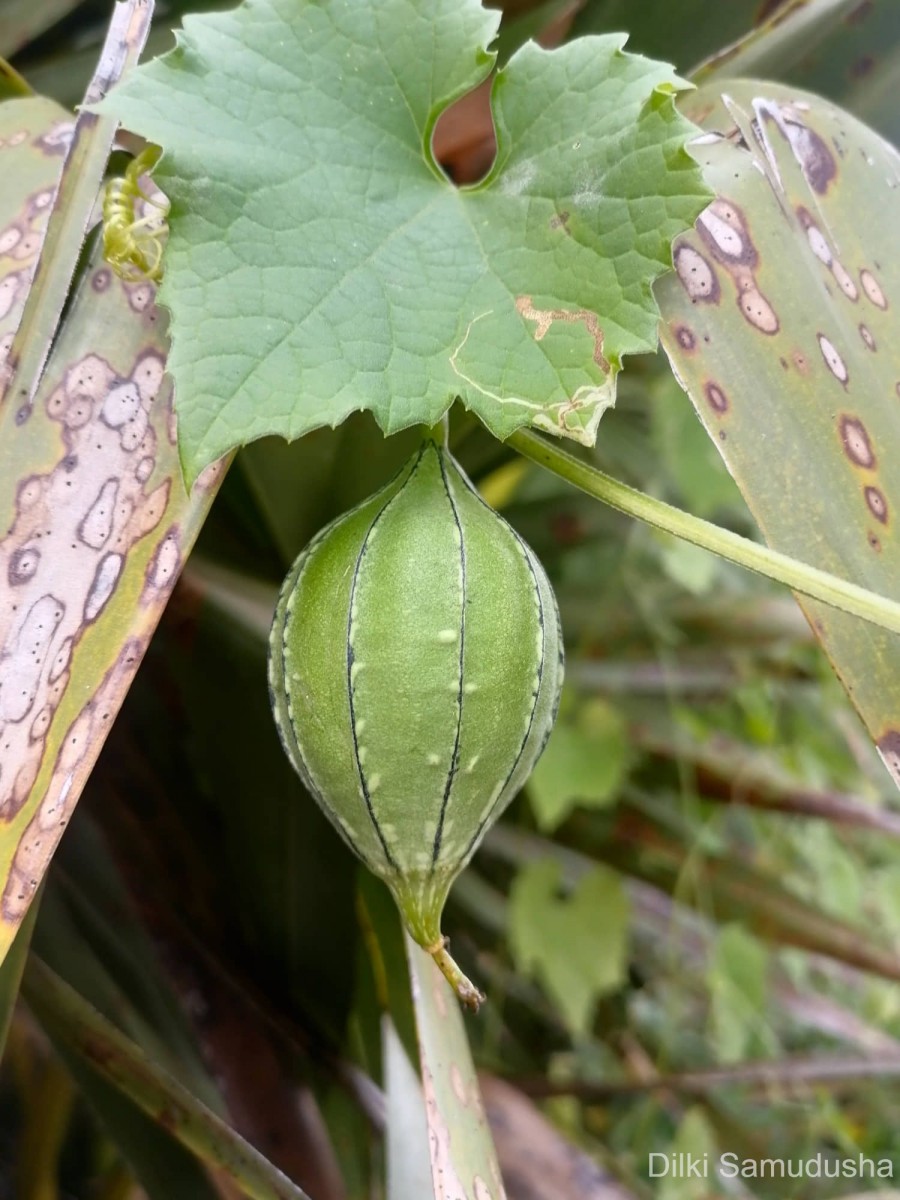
781 323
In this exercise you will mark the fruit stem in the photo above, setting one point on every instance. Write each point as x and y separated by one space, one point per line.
465 989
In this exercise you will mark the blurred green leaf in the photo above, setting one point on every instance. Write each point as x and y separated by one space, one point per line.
681 35
739 996
695 1138
583 765
692 568
576 946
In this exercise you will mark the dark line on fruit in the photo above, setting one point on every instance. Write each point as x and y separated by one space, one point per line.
454 760
350 657
537 692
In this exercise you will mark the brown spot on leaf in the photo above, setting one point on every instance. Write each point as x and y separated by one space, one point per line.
888 746
758 311
877 503
22 566
101 279
813 155
866 335
685 338
560 221
856 442
545 317
873 289
833 360
716 397
696 274
801 362
724 230
875 542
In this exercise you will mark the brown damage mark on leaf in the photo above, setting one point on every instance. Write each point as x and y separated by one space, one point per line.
833 359
63 555
685 338
801 362
856 442
560 221
758 311
809 149
868 340
697 276
164 567
140 295
56 140
716 397
10 287
724 230
725 233
818 243
873 289
544 318
443 1167
875 542
877 504
101 279
458 1085
888 746
73 761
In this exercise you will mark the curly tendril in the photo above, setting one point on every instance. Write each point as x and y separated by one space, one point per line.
133 245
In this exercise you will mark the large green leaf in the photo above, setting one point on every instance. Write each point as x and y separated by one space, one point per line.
780 324
320 262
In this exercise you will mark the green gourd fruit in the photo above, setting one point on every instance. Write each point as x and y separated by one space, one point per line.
415 666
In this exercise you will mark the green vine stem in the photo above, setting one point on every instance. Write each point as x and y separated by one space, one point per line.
799 576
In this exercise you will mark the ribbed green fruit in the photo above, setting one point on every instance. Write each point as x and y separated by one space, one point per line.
415 665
